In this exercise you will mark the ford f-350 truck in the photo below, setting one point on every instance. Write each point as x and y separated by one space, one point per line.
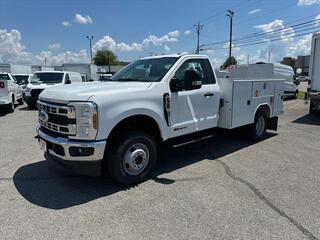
116 126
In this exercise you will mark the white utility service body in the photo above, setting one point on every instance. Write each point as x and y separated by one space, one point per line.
10 91
89 70
151 100
44 79
314 74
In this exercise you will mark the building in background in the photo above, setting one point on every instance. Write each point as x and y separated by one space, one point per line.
301 62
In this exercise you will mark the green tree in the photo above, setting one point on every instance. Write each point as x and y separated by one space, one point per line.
228 62
105 58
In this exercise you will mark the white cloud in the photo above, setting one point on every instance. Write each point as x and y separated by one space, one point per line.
107 43
317 20
254 11
187 32
66 24
166 48
11 49
308 2
78 18
301 47
158 41
58 59
277 25
55 46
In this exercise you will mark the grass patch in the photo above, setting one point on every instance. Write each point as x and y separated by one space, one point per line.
301 95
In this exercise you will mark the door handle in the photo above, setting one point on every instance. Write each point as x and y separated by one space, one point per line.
208 94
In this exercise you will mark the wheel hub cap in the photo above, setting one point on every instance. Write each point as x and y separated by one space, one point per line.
136 159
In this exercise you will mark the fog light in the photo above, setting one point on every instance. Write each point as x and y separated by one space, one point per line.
81 151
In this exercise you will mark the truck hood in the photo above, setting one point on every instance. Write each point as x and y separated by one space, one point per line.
84 91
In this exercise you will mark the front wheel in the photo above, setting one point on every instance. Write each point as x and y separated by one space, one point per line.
132 158
258 129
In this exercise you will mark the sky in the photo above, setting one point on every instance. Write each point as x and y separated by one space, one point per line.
34 30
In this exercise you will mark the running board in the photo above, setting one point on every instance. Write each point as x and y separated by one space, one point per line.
192 141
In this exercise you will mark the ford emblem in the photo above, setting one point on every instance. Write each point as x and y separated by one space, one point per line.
43 116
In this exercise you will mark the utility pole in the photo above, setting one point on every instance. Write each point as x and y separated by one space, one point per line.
198 28
90 39
230 15
269 56
248 59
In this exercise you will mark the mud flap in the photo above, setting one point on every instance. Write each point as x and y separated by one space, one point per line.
273 123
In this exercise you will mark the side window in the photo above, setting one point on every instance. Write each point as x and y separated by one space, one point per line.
199 65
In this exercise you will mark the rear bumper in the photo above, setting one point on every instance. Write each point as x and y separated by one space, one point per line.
5 100
67 152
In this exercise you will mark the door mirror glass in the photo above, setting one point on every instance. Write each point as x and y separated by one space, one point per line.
68 81
192 80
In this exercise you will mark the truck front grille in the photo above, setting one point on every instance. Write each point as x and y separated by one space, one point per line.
57 118
36 92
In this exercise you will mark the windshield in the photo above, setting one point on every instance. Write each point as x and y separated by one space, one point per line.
145 70
47 78
4 77
20 78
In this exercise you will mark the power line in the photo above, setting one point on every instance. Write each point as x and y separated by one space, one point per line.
266 34
266 41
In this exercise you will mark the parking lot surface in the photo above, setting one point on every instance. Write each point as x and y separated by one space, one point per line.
220 188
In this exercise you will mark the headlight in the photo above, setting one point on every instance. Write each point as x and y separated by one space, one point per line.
28 89
86 114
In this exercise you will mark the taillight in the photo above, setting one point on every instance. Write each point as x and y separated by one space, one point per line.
1 84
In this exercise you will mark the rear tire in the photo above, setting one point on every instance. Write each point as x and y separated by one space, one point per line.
258 129
311 108
132 158
32 106
20 101
10 106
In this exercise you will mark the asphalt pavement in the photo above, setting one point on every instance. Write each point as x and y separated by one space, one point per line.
224 187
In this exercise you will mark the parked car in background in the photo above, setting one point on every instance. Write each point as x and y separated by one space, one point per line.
303 78
43 80
10 92
105 77
23 80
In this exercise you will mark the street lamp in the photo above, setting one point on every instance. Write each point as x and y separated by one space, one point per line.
230 15
90 39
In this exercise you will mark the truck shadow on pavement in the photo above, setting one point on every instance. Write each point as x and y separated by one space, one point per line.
310 119
45 184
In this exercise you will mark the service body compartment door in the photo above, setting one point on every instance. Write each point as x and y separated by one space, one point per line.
278 98
242 103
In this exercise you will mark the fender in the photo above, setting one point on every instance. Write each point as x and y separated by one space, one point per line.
263 105
111 117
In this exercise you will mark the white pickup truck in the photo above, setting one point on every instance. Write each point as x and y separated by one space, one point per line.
115 126
10 92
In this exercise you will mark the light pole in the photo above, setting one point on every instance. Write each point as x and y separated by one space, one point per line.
90 39
230 15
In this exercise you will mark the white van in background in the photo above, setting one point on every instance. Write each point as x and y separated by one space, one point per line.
42 80
267 71
10 92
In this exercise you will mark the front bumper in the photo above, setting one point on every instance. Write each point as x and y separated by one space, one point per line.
30 100
62 148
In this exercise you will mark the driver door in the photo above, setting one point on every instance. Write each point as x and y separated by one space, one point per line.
195 110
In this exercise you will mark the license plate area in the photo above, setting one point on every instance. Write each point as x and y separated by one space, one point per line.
43 145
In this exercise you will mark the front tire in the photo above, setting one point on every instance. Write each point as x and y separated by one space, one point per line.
132 158
258 129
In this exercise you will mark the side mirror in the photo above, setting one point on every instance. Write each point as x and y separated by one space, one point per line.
23 82
296 82
68 81
192 80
